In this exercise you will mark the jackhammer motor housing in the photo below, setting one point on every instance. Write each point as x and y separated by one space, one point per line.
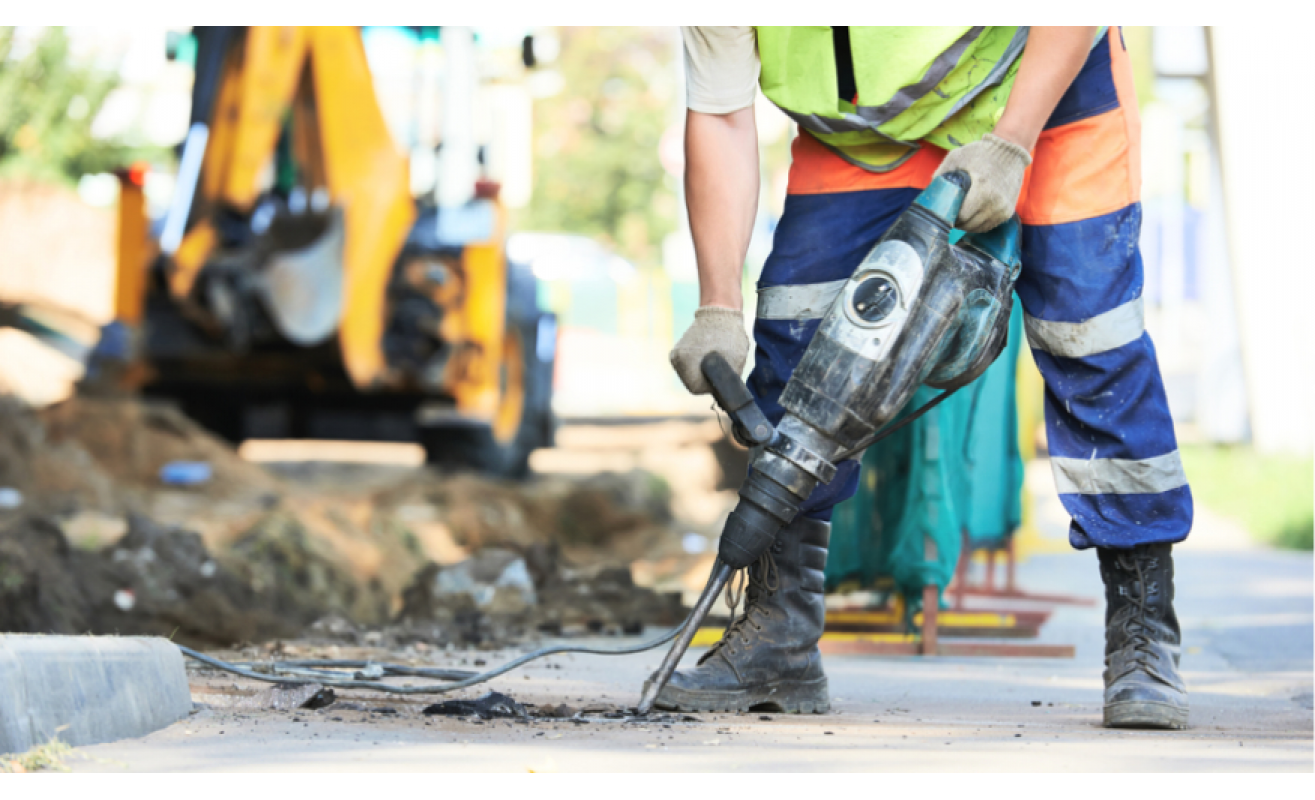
917 310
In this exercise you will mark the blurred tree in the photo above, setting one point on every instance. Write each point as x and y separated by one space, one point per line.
596 168
47 105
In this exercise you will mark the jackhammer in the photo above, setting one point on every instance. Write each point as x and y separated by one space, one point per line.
918 310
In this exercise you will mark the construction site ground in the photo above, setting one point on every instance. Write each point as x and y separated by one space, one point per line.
1246 614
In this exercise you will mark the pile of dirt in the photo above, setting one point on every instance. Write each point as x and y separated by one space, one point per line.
253 553
277 582
162 580
155 581
602 601
605 519
40 588
50 476
107 453
303 572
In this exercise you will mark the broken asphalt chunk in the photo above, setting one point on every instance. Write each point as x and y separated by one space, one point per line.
490 706
290 696
324 698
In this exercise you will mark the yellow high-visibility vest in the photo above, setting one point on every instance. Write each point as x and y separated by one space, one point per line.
944 85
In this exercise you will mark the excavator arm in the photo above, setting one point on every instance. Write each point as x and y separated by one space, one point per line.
320 76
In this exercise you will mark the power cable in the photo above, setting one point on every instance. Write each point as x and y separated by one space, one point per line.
367 671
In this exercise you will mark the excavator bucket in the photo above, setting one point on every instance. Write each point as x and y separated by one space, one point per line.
303 288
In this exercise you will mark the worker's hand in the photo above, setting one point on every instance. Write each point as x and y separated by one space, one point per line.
996 167
715 330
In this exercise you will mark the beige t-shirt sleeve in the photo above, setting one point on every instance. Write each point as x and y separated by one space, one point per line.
721 68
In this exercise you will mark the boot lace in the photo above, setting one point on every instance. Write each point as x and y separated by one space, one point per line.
1135 624
758 579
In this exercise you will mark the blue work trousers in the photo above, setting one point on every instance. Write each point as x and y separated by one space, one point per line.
1110 435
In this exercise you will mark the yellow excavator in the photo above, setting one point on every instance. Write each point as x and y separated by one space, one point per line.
295 287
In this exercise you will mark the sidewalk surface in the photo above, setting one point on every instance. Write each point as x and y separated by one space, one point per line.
1247 621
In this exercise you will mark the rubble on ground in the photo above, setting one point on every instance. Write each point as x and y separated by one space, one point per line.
492 598
155 581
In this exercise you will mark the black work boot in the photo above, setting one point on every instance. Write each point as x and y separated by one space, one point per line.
768 658
1142 639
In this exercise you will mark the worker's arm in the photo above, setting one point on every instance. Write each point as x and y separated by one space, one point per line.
721 192
1051 60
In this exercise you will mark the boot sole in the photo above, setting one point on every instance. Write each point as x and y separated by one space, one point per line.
782 697
1144 714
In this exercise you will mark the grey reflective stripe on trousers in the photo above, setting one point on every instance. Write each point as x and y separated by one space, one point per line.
798 302
1103 332
1118 475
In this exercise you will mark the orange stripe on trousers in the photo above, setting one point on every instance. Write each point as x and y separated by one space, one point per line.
1090 167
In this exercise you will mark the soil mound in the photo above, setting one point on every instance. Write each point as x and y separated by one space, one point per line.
155 581
254 554
106 454
132 440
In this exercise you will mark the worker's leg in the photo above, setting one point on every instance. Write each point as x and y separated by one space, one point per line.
1111 438
1110 435
834 215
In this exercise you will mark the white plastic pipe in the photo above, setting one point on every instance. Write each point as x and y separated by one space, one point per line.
189 174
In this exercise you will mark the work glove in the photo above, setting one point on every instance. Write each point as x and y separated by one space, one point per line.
996 167
715 330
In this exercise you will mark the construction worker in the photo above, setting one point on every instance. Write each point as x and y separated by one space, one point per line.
1045 123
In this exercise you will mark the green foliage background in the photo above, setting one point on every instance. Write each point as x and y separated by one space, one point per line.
596 142
1272 496
47 104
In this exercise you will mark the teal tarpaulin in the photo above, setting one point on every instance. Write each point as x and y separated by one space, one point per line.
955 471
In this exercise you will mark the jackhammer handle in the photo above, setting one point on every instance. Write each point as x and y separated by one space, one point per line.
727 388
751 425
959 178
944 196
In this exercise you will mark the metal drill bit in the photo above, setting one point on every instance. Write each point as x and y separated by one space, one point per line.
721 573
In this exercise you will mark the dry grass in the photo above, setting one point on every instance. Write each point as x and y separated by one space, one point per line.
48 757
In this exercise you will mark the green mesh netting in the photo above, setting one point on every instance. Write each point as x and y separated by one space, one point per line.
953 472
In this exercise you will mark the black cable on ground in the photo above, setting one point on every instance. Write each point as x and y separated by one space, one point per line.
310 670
